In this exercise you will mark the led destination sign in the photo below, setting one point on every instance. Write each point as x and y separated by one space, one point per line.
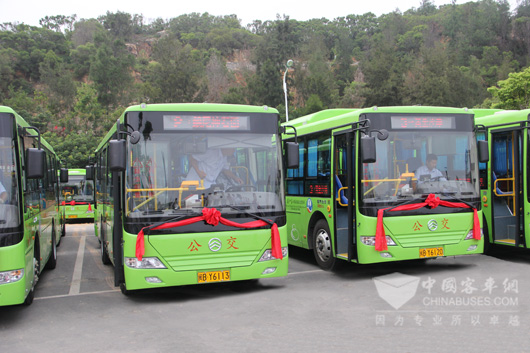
423 122
206 122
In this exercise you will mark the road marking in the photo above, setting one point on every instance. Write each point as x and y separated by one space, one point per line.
303 272
86 293
78 268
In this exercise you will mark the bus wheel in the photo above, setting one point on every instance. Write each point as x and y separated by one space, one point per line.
52 261
104 254
322 246
36 266
487 244
124 289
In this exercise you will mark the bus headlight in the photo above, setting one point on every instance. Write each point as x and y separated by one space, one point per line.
267 255
11 276
470 234
147 262
370 241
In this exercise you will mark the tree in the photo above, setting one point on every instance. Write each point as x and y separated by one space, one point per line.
121 25
512 93
58 23
111 71
85 31
218 77
317 78
178 74
60 86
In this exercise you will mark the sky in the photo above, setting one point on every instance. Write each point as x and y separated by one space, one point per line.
30 11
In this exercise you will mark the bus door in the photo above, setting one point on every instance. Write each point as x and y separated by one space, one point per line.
506 184
344 195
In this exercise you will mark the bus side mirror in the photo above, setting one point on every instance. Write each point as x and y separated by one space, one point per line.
64 175
368 149
483 155
117 155
35 160
89 172
292 155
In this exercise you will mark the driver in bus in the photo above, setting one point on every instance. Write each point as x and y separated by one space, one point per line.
208 166
429 171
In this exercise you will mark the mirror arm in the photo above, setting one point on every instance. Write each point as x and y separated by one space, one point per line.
283 130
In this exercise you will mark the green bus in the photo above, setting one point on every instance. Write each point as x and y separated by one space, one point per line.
78 196
504 179
365 191
191 193
30 221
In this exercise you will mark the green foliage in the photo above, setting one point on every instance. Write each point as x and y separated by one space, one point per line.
178 74
60 86
314 104
81 58
111 71
512 93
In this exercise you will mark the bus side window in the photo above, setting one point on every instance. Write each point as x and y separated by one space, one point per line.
295 183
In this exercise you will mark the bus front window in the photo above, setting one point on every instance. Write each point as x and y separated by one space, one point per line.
412 164
9 215
78 189
175 173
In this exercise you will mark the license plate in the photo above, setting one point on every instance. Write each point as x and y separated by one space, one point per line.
431 252
72 216
213 276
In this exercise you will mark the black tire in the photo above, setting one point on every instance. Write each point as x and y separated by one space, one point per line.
322 247
52 261
104 254
36 270
63 232
488 246
124 289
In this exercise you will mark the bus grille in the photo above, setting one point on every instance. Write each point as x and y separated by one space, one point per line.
428 240
211 261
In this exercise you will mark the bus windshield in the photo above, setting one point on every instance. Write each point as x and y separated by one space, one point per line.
412 164
78 189
9 215
171 174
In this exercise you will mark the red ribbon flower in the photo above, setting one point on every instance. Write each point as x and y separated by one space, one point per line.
432 201
213 216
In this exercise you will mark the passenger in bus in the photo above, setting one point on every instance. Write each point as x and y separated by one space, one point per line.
208 166
3 193
429 172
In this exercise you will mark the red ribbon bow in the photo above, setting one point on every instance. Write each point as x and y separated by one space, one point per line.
213 216
432 201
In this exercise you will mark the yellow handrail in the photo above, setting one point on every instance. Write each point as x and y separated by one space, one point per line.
198 186
344 188
503 179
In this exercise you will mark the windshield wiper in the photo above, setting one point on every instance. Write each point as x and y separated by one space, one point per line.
460 200
173 219
242 208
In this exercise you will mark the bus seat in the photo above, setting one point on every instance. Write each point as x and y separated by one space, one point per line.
338 186
499 191
414 163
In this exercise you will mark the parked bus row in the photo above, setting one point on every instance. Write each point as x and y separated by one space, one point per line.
199 193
